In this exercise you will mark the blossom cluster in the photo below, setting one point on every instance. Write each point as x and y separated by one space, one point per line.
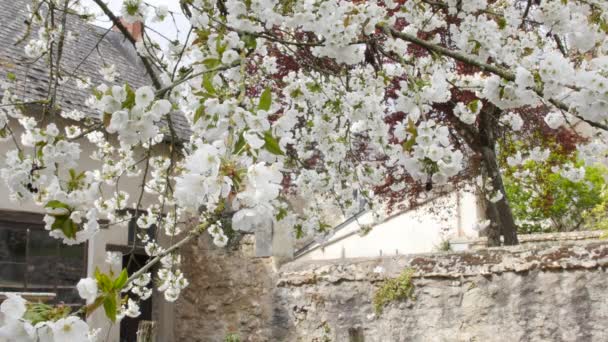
16 325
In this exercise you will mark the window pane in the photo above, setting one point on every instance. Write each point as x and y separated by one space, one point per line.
70 264
68 296
41 244
42 260
12 276
42 272
12 244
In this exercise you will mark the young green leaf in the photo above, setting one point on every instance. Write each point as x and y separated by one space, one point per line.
104 282
271 144
265 99
211 63
240 144
473 106
109 306
129 102
121 280
200 111
54 204
69 228
208 83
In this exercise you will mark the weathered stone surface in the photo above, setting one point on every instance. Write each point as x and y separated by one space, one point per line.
529 293
542 293
229 292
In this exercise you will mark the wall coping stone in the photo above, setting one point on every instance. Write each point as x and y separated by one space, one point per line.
569 255
481 242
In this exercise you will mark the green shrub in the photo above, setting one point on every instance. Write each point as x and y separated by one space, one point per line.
542 199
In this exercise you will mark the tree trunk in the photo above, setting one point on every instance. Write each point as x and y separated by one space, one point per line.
492 232
499 212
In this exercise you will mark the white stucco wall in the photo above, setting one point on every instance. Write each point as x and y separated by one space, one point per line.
113 235
416 231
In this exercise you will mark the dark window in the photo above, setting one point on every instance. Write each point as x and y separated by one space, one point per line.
134 230
128 325
32 261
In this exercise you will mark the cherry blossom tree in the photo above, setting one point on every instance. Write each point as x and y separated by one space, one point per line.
330 101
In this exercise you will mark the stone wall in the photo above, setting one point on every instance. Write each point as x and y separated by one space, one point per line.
530 293
229 293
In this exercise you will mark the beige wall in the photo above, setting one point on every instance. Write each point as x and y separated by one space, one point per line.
114 235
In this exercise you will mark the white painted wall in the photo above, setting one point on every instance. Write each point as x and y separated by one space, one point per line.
414 231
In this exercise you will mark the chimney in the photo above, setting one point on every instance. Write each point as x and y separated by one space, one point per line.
136 29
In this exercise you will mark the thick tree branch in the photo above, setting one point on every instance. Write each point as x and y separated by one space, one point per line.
505 74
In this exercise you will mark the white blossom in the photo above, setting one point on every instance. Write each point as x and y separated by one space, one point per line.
71 328
13 307
87 289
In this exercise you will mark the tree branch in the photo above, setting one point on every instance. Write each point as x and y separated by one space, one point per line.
501 72
191 235
507 75
116 21
161 92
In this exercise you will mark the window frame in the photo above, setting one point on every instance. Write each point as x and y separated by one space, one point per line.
31 221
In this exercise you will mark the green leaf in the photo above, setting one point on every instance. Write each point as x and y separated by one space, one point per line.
411 128
313 87
129 102
11 76
299 231
281 214
220 48
473 106
200 111
476 48
109 306
502 23
104 282
76 179
265 99
69 228
55 204
296 93
271 144
211 63
121 280
208 83
240 143
249 40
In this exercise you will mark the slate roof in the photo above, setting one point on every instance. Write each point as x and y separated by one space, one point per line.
33 77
